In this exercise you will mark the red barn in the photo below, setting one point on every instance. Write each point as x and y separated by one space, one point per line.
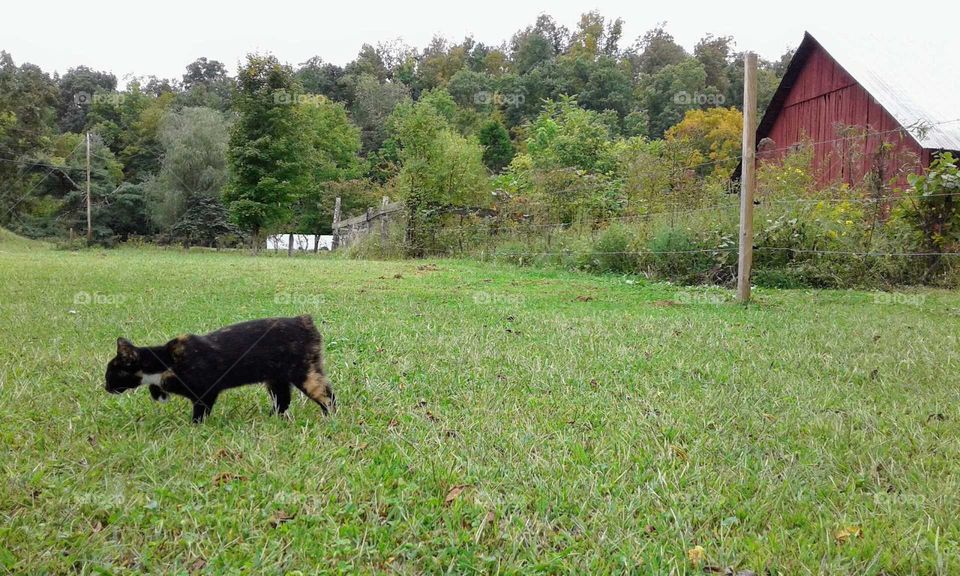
847 97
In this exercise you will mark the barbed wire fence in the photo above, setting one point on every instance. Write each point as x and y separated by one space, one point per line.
524 238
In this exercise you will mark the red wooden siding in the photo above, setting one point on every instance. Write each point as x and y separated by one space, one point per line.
824 97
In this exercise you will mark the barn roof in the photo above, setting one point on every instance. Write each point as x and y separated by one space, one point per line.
915 82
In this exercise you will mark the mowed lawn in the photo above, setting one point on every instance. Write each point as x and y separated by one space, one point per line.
492 420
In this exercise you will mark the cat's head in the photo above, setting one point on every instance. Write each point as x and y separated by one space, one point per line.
124 371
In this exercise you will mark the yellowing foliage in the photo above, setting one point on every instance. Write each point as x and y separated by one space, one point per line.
716 132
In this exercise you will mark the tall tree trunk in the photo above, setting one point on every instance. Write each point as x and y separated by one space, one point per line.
290 244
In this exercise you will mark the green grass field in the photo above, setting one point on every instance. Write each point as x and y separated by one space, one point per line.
492 420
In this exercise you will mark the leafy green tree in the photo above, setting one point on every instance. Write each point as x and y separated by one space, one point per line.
333 156
204 222
567 136
931 207
472 89
399 60
714 52
369 62
124 210
537 44
655 175
206 84
194 144
319 77
374 101
28 101
607 87
672 91
267 153
637 123
656 50
128 122
520 97
497 148
440 61
570 151
58 202
440 169
595 36
158 86
768 79
202 72
78 89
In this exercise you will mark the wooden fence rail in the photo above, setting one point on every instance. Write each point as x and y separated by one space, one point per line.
346 232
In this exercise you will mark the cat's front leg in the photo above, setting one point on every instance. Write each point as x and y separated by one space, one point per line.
158 393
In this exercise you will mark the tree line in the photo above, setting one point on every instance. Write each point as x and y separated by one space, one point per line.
555 121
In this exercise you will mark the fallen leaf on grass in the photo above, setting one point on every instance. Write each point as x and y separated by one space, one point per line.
728 571
845 534
97 527
650 529
584 298
398 276
224 454
454 493
679 451
198 565
697 555
279 517
225 478
664 303
428 268
393 424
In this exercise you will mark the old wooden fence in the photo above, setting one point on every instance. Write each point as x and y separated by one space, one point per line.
374 220
346 232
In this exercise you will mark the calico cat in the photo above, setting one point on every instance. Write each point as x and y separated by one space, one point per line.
280 352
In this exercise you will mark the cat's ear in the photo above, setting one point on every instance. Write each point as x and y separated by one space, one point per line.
126 350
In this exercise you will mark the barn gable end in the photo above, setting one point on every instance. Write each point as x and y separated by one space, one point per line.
819 101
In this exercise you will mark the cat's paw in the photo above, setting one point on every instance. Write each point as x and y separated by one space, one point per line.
158 394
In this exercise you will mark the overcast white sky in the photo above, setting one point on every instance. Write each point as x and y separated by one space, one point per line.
161 38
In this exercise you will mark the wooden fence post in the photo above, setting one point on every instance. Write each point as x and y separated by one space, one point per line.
383 222
335 242
747 176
